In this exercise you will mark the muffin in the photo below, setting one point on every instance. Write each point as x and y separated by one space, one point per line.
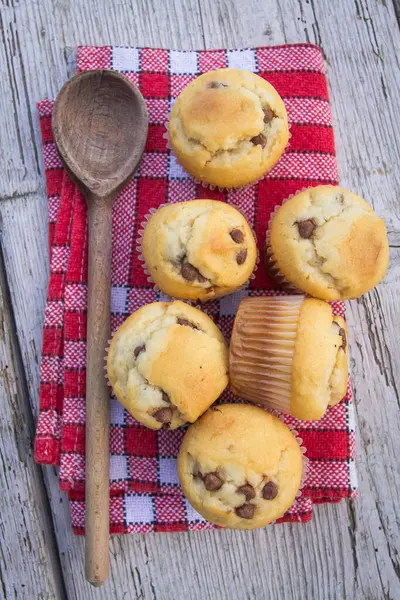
289 353
329 243
228 127
240 466
199 249
167 364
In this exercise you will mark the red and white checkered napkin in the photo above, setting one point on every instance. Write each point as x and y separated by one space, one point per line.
144 487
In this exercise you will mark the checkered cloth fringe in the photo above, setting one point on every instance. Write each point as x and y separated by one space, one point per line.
144 487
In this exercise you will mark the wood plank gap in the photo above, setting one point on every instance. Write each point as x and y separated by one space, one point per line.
203 34
396 8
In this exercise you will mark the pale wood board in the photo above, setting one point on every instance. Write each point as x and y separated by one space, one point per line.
29 559
349 550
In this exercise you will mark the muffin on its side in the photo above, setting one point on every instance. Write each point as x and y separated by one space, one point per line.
228 127
199 249
289 353
240 466
167 363
329 243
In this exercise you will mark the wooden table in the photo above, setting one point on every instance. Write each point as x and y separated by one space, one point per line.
348 550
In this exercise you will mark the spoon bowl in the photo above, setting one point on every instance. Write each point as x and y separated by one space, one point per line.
100 129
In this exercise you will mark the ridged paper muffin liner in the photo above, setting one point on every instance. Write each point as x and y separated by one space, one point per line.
211 186
262 350
306 462
156 288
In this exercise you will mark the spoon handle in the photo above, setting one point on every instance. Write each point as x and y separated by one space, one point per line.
97 393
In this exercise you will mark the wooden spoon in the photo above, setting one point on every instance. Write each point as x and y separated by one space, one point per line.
100 129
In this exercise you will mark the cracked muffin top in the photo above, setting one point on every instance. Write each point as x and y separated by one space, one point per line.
228 127
240 466
167 363
329 243
201 249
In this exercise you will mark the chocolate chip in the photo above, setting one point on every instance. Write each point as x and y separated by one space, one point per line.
342 334
246 511
259 140
247 490
306 228
166 398
163 415
237 236
241 256
216 84
138 350
268 115
212 482
270 490
186 323
190 273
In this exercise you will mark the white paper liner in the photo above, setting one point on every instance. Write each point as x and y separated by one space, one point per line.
211 186
262 350
107 349
306 461
191 301
271 265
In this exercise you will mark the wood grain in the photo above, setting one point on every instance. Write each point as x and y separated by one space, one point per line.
349 550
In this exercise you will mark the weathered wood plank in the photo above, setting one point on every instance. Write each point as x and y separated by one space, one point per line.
29 563
334 556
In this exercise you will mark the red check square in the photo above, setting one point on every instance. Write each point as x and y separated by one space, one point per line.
141 442
154 85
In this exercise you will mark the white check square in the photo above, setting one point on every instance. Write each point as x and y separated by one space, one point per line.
125 59
242 59
168 471
183 62
118 467
117 416
139 509
118 299
175 170
191 514
228 305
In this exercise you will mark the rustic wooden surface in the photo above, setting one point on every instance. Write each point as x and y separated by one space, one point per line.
348 551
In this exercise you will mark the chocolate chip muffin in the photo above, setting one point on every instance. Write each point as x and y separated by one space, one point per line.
228 127
167 363
240 466
289 353
199 249
329 243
